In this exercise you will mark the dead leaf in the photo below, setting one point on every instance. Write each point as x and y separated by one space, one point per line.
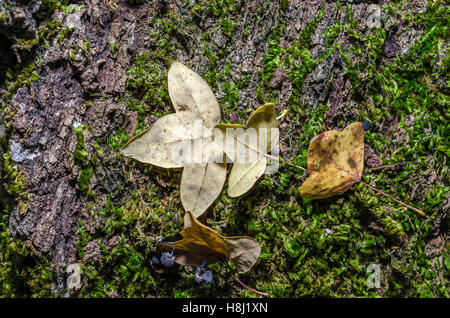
168 143
201 243
249 150
244 175
264 119
219 134
201 184
335 162
160 145
190 92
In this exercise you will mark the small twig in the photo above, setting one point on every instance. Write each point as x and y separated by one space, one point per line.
386 166
262 208
293 165
243 285
285 162
388 196
251 289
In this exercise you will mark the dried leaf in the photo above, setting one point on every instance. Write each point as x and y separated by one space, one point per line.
160 144
244 175
219 134
244 252
201 243
190 92
335 162
201 184
249 154
264 118
167 142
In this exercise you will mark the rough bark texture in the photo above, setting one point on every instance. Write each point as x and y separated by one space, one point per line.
82 78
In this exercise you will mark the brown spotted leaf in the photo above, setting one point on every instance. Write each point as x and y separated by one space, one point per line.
335 162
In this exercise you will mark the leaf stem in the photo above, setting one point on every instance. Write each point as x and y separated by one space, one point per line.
243 285
285 162
282 114
387 195
251 289
386 166
292 165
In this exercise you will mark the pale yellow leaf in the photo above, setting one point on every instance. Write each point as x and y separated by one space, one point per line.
201 184
265 119
165 143
248 149
190 92
244 175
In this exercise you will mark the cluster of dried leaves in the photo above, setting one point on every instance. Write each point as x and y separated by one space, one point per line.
335 162
202 182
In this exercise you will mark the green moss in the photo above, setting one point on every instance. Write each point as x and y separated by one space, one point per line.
85 181
118 140
15 184
64 33
18 76
124 268
323 266
114 46
86 161
80 154
26 72
23 271
295 58
48 7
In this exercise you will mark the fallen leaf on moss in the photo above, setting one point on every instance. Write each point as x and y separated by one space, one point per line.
335 162
201 184
248 151
168 143
190 92
201 243
160 145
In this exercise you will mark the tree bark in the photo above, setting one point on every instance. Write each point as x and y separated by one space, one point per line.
82 83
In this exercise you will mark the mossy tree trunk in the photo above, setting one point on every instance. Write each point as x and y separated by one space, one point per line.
79 79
